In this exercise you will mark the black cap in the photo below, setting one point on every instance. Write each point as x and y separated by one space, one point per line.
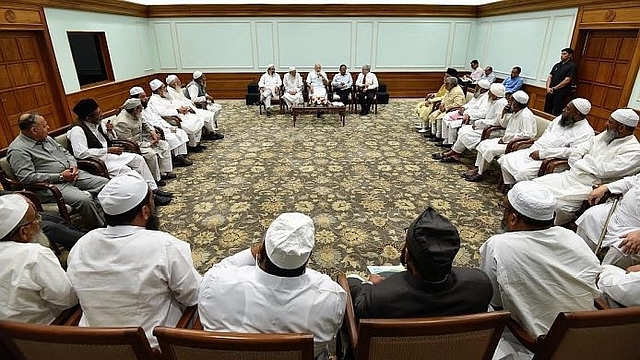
85 107
452 72
433 242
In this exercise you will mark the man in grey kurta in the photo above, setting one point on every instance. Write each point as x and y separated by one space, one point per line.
36 157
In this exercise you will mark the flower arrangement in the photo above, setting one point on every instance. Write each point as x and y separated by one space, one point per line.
319 101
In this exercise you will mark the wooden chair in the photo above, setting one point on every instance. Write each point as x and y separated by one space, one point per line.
355 96
594 335
448 337
179 344
37 342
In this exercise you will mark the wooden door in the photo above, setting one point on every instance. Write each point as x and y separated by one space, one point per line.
604 71
24 86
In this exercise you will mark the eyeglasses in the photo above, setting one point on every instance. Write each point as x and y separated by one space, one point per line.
37 219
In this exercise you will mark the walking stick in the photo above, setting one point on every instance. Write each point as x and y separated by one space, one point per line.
606 224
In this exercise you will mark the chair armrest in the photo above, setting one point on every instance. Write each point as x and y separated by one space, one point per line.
527 340
94 166
187 317
486 133
8 183
159 131
57 197
350 321
517 144
128 145
601 304
68 317
550 165
197 324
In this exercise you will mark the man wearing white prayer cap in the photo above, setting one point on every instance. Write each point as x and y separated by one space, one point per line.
469 135
269 85
246 292
474 109
131 274
519 123
538 270
293 84
610 156
36 289
180 116
195 96
566 133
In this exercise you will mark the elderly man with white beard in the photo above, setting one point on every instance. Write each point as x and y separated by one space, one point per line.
174 136
182 117
176 95
269 85
196 92
469 136
560 139
474 109
293 85
608 157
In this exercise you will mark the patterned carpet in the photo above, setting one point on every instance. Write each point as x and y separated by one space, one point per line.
362 184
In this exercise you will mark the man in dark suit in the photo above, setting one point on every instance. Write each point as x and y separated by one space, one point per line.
430 286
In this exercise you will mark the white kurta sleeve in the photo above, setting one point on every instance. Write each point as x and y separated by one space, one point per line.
623 185
618 285
79 144
489 265
525 130
184 280
160 107
610 169
243 258
565 152
193 94
53 280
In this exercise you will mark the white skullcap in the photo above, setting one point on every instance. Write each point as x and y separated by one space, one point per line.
136 90
131 104
497 89
197 75
625 116
292 68
155 84
582 105
484 83
270 66
122 193
171 78
289 240
521 97
532 200
12 210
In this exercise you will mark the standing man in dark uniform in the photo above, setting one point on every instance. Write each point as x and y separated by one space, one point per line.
559 82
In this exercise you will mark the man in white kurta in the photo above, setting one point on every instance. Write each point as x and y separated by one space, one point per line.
317 81
185 118
175 94
619 286
537 270
474 109
130 274
269 85
293 85
610 156
565 133
268 289
520 124
33 286
469 135
624 221
175 137
196 92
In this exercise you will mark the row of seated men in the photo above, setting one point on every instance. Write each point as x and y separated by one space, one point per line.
317 80
166 126
534 270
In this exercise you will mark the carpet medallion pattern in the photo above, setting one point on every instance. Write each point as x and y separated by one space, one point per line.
362 184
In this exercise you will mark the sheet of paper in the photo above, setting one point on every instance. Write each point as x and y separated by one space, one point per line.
382 269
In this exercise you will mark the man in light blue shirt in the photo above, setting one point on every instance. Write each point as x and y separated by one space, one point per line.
514 82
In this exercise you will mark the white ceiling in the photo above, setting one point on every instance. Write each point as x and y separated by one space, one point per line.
297 2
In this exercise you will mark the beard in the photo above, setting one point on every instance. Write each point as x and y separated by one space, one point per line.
566 121
178 89
153 223
40 238
610 135
144 103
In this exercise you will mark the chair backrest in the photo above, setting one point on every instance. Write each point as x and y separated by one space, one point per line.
36 342
594 335
6 167
464 337
179 344
541 125
63 140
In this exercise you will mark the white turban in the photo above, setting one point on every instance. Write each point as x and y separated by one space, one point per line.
155 84
270 66
122 193
582 105
131 104
521 97
137 90
171 78
497 89
197 75
532 200
625 116
292 68
484 83
289 240
12 210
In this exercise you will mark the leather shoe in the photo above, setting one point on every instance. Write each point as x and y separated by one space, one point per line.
443 145
436 139
161 200
162 193
180 161
201 147
428 135
194 149
169 176
213 136
161 182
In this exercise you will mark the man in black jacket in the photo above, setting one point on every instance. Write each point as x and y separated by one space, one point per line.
430 286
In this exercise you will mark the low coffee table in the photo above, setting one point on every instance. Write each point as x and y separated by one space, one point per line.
302 109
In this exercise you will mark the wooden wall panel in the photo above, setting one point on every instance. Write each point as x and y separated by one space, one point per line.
20 17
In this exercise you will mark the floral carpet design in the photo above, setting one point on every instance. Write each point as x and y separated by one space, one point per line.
362 184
